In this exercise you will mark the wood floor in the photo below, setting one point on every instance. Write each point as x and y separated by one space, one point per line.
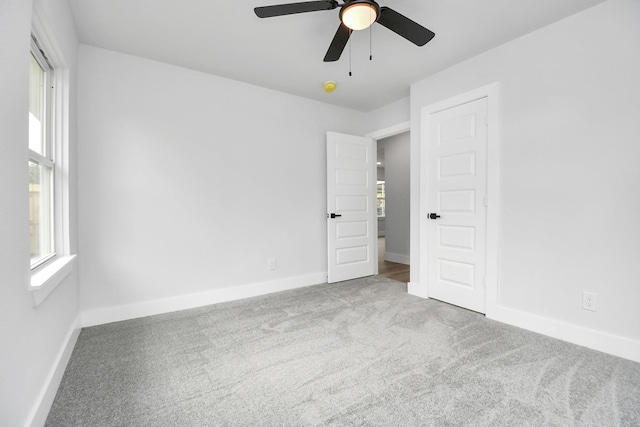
392 270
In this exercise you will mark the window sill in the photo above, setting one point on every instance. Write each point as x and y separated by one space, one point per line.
48 277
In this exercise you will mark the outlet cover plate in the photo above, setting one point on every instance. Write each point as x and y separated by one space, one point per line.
589 301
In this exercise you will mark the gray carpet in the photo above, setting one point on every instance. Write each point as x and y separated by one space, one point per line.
361 352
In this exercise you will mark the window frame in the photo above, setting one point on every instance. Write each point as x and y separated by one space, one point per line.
47 157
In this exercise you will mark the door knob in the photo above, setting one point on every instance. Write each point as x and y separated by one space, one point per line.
434 216
333 215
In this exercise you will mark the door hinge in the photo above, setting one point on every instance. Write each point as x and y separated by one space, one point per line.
486 200
486 120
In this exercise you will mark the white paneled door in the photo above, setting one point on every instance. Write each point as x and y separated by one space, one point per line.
351 206
457 199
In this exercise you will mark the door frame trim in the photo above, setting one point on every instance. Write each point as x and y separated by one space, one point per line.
390 131
491 92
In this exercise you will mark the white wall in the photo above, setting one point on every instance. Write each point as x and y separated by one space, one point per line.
32 339
397 188
569 175
190 182
389 115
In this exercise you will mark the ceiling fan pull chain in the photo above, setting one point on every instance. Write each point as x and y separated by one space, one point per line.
370 53
349 57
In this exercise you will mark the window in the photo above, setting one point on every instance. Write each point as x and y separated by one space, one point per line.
48 161
380 199
41 159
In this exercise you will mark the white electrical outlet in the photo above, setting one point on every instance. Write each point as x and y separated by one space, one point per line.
589 301
271 264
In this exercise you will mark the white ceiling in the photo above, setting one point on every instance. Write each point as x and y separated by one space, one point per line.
285 53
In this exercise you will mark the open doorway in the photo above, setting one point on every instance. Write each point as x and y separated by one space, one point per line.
392 270
393 203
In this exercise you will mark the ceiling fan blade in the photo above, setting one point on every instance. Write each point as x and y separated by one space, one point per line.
338 43
405 27
291 8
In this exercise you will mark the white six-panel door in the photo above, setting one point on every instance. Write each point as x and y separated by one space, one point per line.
351 195
457 191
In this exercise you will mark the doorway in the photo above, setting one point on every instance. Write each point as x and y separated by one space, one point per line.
393 205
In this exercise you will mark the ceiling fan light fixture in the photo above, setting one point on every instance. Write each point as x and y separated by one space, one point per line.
359 15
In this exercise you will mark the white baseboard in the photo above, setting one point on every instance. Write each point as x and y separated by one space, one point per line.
596 340
183 302
48 393
399 258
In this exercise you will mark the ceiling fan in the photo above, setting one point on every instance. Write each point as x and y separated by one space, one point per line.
354 15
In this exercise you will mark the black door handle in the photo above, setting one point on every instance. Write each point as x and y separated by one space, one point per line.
334 215
434 216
